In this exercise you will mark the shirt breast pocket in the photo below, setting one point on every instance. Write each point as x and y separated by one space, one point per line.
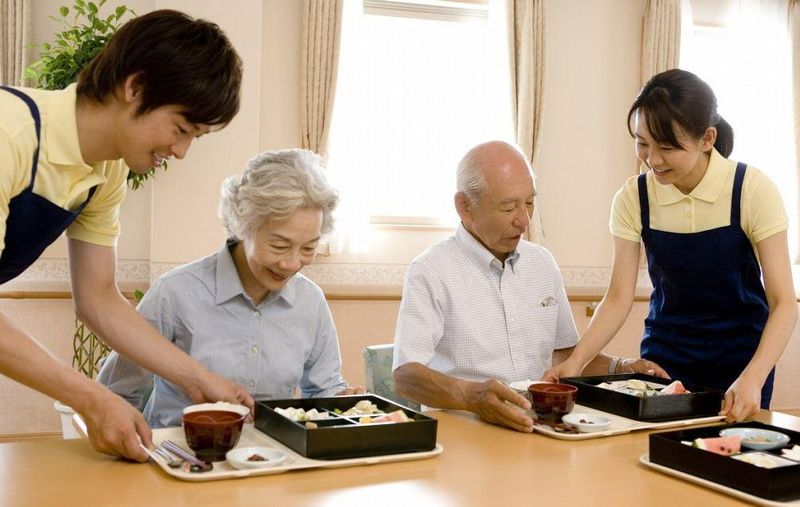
544 323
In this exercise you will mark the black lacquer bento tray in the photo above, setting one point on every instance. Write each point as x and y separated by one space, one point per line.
700 402
780 483
342 437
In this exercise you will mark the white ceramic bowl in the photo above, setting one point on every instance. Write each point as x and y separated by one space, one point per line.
220 405
242 457
587 423
756 438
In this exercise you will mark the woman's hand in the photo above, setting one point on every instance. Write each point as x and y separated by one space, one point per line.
742 400
639 365
568 368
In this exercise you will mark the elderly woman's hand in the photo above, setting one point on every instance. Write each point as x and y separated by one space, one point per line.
351 390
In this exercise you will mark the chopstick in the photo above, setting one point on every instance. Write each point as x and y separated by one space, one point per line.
185 455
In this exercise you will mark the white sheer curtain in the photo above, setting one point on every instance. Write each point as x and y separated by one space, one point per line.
526 44
416 90
15 39
793 13
744 50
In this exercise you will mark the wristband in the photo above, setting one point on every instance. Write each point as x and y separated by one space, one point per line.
612 366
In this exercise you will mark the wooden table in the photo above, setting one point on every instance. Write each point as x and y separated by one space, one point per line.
481 465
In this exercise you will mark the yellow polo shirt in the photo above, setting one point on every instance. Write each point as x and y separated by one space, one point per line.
62 177
707 206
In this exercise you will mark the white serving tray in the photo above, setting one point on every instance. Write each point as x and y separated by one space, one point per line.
252 437
756 500
620 425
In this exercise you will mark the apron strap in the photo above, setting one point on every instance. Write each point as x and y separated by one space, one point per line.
644 202
736 196
38 123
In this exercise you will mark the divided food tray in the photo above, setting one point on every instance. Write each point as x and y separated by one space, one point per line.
700 402
251 437
341 437
620 425
775 484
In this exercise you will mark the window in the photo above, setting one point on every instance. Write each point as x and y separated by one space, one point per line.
747 64
418 84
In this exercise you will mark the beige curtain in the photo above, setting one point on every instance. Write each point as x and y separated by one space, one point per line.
526 38
322 29
15 39
661 37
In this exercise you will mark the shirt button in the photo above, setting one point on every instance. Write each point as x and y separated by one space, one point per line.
252 383
256 314
254 349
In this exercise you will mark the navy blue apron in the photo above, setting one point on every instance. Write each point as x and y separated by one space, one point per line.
708 307
33 222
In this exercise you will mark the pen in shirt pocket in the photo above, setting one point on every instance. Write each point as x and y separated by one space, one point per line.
548 301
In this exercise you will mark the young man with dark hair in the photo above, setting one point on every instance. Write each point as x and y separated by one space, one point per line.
163 80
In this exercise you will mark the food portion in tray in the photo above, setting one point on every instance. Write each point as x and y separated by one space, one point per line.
748 445
642 388
363 412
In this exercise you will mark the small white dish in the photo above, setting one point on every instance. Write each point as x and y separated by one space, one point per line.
587 423
247 458
756 438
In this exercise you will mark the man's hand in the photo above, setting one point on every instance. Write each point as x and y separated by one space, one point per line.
115 427
568 368
351 390
742 400
639 365
212 388
497 403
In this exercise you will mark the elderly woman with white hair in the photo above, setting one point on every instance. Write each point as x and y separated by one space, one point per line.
246 312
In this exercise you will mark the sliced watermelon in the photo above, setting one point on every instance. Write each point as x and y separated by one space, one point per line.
396 416
720 445
675 388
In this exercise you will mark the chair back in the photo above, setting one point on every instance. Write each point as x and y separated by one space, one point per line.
378 374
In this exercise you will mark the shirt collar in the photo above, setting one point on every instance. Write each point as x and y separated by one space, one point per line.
479 254
229 285
709 188
60 129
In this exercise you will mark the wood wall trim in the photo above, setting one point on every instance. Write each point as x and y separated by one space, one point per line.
45 294
331 295
18 437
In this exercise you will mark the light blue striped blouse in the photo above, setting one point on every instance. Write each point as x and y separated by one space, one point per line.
287 341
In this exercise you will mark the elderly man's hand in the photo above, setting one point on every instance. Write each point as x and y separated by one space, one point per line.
639 365
497 403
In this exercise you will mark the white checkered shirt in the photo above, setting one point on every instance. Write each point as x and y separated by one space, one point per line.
463 315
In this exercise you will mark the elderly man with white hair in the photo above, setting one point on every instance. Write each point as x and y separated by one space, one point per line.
485 308
246 312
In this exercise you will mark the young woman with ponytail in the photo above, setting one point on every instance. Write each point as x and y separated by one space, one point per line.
711 227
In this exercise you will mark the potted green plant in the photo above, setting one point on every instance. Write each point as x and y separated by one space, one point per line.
85 32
